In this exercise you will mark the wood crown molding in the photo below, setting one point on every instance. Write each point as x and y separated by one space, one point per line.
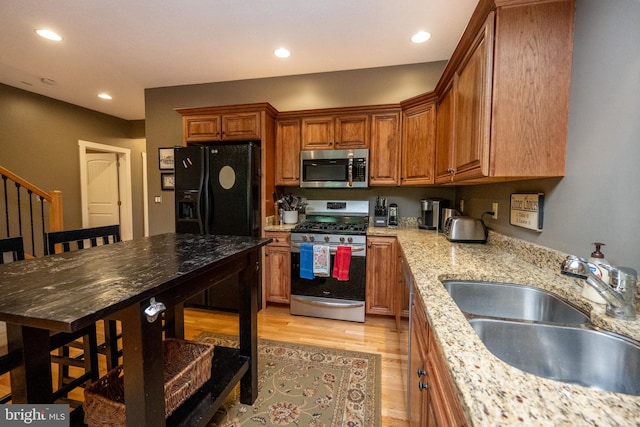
227 109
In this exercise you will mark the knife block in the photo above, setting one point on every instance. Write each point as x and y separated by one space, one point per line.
380 216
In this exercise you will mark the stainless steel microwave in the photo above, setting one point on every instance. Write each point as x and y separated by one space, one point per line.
334 168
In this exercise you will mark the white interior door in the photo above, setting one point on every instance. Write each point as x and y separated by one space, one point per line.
103 189
124 188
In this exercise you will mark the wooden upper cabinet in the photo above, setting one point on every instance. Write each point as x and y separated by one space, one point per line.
532 78
444 139
317 133
202 128
352 131
507 88
472 107
384 157
335 132
241 126
221 127
288 152
418 145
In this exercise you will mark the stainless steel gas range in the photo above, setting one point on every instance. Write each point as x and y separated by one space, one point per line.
331 224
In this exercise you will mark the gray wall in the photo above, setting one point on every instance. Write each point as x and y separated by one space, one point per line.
39 142
340 89
599 198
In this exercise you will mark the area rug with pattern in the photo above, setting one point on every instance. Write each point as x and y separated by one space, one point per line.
303 385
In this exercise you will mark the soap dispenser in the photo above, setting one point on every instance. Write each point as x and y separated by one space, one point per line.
596 260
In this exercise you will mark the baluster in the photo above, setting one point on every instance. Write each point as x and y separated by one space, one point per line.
33 250
6 204
19 210
44 235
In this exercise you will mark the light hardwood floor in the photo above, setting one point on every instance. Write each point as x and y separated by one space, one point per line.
376 335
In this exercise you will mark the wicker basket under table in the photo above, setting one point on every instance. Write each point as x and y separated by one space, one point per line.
187 366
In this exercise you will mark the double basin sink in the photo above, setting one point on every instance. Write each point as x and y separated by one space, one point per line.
539 333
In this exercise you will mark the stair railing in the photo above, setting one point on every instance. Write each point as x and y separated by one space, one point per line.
19 210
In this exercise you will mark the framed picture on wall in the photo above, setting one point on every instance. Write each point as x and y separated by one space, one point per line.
166 158
167 181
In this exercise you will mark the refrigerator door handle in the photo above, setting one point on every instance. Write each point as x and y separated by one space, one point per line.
203 196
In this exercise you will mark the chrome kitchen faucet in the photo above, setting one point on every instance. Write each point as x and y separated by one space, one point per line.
620 295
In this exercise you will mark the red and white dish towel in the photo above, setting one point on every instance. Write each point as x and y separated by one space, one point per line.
321 260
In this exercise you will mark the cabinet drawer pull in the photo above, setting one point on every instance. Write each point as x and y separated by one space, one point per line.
421 372
422 386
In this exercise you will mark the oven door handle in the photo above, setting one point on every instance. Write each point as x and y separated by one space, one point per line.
329 304
333 250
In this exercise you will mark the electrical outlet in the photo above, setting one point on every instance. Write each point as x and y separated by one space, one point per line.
494 208
461 206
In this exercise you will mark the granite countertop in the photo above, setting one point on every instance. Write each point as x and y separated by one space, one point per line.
280 227
491 392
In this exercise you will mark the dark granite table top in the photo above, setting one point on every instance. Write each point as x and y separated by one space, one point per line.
68 291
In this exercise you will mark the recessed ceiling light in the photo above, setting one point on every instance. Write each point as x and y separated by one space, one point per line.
282 53
421 37
49 35
104 96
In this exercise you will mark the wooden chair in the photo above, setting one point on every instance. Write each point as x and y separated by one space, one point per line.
72 240
13 245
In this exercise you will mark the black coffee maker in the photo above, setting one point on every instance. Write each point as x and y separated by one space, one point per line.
431 210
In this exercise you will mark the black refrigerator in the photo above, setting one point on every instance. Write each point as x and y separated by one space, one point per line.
217 191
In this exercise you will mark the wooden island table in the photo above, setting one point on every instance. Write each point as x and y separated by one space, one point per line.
69 291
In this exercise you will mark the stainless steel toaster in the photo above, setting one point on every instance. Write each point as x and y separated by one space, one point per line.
465 229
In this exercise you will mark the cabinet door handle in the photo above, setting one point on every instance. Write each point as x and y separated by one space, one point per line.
422 386
451 170
421 372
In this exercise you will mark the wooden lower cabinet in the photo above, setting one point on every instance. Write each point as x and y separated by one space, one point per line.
432 399
382 275
418 395
278 267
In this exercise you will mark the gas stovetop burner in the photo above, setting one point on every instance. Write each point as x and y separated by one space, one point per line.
335 217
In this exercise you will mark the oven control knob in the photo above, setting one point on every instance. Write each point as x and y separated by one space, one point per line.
311 238
326 239
304 238
341 239
350 240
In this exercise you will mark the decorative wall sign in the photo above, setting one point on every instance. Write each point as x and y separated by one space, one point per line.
167 181
527 210
166 158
